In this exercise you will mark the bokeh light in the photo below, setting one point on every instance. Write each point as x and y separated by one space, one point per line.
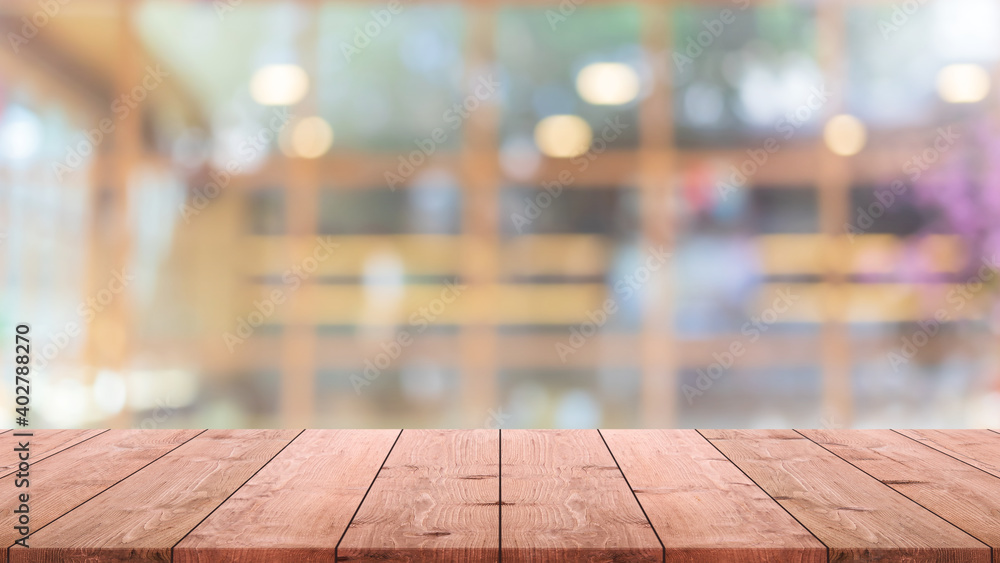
609 84
279 85
21 134
563 136
845 135
963 83
539 161
109 392
310 138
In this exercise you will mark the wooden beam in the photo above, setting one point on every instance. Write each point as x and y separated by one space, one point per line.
658 391
833 182
437 498
480 179
278 517
302 184
564 499
704 509
855 516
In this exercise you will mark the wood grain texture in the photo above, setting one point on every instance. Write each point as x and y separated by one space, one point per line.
704 509
60 483
144 516
966 496
857 517
296 509
43 444
978 448
564 499
435 499
265 495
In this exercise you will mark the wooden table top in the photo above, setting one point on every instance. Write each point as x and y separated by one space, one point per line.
710 496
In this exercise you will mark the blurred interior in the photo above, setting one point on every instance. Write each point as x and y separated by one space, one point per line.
381 214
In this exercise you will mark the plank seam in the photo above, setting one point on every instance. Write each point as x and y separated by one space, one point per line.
992 558
500 493
207 516
947 454
763 490
336 548
663 548
108 488
50 454
989 547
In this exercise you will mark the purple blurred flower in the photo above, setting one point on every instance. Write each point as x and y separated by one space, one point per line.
963 188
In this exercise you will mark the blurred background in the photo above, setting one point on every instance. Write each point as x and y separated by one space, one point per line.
251 213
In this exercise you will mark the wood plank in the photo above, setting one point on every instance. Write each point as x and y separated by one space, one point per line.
60 483
278 516
43 444
978 448
858 518
564 499
144 516
704 509
966 496
435 499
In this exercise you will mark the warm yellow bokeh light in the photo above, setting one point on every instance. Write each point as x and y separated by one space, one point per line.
963 84
311 137
607 84
845 135
279 85
563 136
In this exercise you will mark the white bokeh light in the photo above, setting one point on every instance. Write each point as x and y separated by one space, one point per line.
563 136
609 84
279 85
963 83
109 392
845 135
21 134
